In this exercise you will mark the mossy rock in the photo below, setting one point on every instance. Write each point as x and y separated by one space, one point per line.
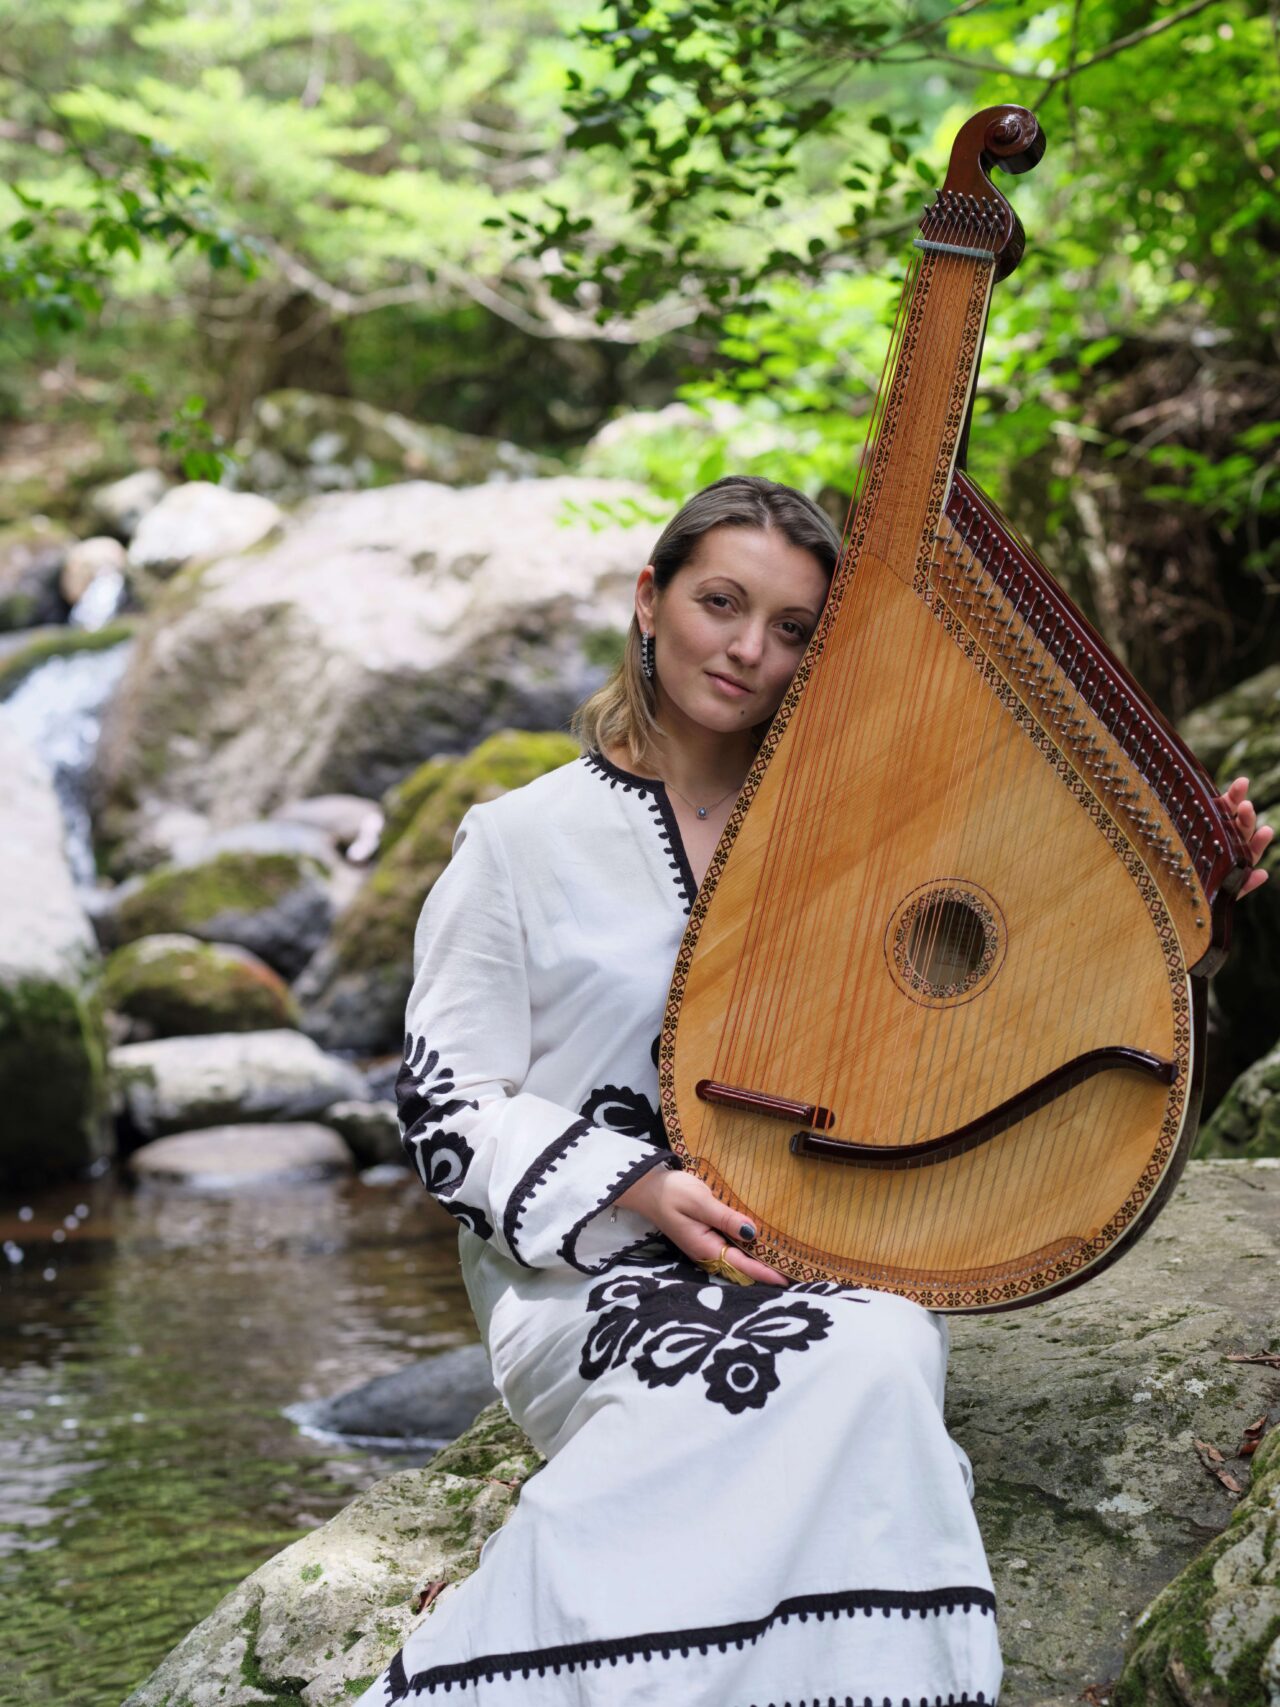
355 992
506 760
1213 730
57 642
53 1082
1246 1123
274 904
32 553
178 986
1212 1638
1238 734
379 925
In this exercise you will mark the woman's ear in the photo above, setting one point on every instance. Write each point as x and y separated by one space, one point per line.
646 599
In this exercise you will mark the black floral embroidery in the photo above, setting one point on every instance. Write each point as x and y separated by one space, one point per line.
668 1327
473 1219
445 1160
624 1110
422 1089
441 1158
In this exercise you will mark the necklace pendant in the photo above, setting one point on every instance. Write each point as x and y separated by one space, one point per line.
702 811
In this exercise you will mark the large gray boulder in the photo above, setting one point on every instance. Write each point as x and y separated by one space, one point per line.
1087 1419
177 1083
121 505
383 627
52 1053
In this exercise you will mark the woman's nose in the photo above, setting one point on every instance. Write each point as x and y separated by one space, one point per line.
747 644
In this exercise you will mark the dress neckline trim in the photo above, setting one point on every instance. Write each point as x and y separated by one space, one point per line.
654 791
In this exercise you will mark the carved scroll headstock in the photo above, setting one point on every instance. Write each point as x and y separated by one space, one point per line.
969 209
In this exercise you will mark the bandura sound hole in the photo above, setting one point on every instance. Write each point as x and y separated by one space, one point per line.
946 944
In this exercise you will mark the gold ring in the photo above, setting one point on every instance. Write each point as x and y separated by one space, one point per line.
723 1269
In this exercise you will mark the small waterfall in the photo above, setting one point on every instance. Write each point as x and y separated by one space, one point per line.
101 600
58 711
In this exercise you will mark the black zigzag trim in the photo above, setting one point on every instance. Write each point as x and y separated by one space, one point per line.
395 1679
669 830
978 1700
577 1656
532 1178
628 1176
654 792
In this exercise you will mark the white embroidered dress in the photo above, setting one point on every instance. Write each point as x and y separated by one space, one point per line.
751 1499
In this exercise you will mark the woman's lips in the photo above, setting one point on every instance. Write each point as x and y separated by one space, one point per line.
728 687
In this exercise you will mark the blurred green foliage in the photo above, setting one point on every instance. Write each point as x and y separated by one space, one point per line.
527 219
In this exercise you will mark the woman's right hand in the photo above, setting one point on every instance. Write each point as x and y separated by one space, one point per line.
692 1217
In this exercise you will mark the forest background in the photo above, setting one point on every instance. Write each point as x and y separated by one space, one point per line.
522 218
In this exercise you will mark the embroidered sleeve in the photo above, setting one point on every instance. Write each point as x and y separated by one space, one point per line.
536 1179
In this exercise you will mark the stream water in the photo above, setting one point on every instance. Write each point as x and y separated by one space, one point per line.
148 1344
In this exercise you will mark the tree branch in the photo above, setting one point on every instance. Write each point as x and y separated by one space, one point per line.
544 317
1158 27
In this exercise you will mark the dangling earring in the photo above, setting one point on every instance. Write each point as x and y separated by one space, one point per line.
646 654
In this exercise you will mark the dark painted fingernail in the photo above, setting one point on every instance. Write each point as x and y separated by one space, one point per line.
747 1230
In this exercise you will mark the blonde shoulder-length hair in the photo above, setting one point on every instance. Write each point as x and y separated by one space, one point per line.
622 713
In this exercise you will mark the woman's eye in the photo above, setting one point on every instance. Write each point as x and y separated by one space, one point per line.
796 631
712 596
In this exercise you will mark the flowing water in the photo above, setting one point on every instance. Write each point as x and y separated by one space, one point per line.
149 1341
58 711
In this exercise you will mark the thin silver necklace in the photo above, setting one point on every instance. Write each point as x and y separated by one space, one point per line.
703 810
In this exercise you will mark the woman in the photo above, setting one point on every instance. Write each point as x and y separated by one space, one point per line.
750 1495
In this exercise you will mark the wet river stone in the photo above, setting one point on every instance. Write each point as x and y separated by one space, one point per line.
177 1083
238 1158
430 1401
1081 1417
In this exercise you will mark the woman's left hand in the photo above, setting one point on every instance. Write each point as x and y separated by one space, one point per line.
1259 835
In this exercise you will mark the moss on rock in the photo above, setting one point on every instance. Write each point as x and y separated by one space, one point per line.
1206 1638
57 642
1213 730
53 1078
320 1620
423 813
1246 1123
178 986
190 898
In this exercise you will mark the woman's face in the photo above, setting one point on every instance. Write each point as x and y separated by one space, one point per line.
731 626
